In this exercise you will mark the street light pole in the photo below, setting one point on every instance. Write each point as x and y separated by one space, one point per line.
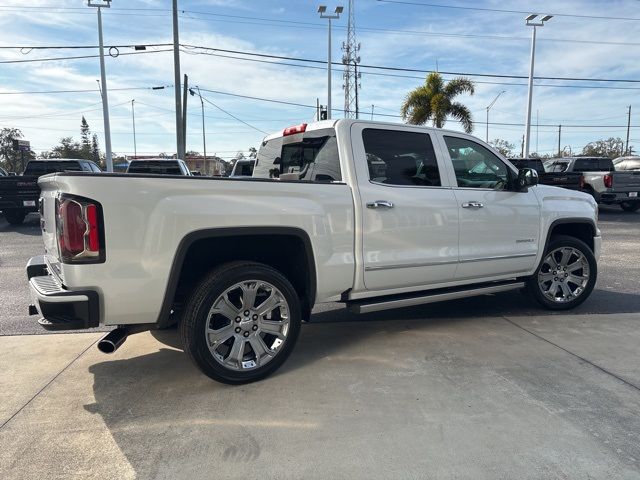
529 21
133 116
322 11
103 90
204 138
489 108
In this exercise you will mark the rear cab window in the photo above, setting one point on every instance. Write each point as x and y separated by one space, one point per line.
311 156
156 168
51 166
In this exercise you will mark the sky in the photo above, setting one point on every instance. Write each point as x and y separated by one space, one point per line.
465 37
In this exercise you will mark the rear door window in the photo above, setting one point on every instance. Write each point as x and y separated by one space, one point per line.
396 157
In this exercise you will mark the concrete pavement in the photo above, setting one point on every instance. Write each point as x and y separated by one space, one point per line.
493 397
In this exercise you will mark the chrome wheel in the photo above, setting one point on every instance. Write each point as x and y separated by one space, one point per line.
247 325
564 274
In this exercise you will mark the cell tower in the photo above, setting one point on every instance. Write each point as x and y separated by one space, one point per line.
351 59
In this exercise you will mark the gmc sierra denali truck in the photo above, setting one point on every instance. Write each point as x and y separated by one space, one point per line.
374 215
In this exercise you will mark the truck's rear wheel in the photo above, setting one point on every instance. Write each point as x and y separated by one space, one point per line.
566 276
630 206
14 217
241 323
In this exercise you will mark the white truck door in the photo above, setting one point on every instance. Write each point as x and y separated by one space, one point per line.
499 227
409 214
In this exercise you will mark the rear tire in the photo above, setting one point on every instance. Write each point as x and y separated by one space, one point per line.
14 217
630 206
241 322
566 275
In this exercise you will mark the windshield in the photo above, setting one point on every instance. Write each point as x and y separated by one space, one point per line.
155 168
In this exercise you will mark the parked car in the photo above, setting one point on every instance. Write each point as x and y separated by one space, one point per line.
374 215
570 180
627 163
243 168
601 180
159 166
19 193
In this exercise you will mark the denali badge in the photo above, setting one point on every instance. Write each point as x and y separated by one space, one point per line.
525 240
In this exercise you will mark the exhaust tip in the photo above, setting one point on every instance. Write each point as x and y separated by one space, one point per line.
106 346
113 340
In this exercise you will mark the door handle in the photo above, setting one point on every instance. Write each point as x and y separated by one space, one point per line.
472 205
380 204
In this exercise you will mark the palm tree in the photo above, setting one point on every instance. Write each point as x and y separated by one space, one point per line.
434 101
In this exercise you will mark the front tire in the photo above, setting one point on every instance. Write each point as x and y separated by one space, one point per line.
630 206
241 323
14 217
566 275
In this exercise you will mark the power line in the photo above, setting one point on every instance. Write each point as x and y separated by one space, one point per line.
89 90
405 69
501 10
28 48
77 57
386 74
275 22
233 116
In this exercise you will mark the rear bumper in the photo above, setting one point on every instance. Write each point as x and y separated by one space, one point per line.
58 307
617 197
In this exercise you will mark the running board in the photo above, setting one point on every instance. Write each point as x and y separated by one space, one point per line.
391 302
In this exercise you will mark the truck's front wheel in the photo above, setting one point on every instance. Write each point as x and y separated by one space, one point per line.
566 276
241 322
14 217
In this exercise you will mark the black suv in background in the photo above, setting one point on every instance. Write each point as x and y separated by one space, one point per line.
19 194
570 180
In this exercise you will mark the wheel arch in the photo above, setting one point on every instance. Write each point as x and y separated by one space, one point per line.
581 228
201 250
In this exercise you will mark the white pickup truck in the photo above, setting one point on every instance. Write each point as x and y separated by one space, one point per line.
374 215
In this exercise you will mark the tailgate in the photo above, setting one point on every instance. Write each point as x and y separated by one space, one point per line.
47 210
626 181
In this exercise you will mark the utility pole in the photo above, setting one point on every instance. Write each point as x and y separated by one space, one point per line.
626 149
529 22
184 113
559 138
176 75
372 107
537 125
103 87
322 9
133 116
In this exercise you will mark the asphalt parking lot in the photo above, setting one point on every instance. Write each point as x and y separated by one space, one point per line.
490 387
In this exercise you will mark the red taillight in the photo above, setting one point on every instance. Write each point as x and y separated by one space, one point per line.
78 224
92 218
293 130
608 180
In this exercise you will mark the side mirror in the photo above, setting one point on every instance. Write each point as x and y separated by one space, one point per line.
527 177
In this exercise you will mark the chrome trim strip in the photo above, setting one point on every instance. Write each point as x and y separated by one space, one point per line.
408 265
499 257
439 297
446 262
